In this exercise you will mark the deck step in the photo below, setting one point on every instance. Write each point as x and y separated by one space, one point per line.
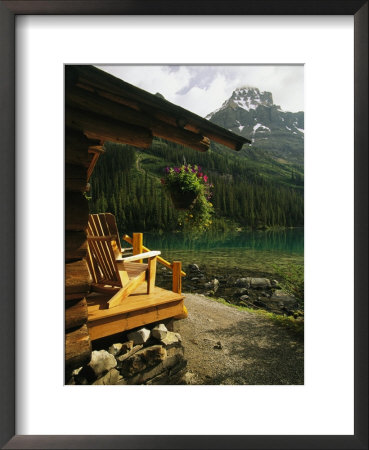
137 310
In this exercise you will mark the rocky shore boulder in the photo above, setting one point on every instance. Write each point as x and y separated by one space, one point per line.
283 301
260 283
213 285
243 282
256 290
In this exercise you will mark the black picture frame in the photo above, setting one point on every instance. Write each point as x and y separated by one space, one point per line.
8 12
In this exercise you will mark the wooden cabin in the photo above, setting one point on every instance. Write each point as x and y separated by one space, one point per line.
99 108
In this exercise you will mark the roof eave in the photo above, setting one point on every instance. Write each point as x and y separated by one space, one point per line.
195 127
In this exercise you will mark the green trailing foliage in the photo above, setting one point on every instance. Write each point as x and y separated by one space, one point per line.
188 182
199 215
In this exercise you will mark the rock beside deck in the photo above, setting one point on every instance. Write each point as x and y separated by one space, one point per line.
158 358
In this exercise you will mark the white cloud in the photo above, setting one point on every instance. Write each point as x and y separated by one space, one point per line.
202 89
202 101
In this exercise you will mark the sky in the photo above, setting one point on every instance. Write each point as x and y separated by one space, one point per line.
203 89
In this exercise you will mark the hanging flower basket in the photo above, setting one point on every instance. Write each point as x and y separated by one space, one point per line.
183 200
186 185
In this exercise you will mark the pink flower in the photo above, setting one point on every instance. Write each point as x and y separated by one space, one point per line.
205 178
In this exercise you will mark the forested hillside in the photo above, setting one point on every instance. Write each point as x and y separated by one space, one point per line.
250 188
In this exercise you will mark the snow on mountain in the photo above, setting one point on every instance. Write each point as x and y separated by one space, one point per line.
247 98
253 114
259 125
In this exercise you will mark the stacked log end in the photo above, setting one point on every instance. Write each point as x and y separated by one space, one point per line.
77 276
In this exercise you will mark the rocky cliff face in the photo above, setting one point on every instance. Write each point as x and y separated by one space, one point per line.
253 114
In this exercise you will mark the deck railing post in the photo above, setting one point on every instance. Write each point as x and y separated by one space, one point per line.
177 279
137 245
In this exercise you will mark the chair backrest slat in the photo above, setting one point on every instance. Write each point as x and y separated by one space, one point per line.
105 248
104 262
104 224
113 231
101 253
92 265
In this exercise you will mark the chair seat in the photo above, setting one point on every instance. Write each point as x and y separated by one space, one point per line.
133 269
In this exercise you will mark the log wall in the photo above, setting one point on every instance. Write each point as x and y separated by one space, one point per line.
77 277
84 133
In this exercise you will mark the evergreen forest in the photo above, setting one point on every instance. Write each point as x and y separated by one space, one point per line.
251 190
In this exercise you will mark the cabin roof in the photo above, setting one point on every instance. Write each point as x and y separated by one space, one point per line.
107 108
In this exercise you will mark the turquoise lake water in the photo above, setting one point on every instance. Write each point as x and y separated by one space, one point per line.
256 251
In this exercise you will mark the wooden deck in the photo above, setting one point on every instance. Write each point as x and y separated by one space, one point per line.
137 310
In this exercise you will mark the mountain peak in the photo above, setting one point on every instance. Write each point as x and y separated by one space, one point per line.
246 88
247 98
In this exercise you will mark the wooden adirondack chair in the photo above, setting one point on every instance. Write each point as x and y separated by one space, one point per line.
112 273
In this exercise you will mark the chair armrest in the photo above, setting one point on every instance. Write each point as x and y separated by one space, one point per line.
145 255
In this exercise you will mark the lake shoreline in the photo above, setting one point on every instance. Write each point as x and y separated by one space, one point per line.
246 288
215 262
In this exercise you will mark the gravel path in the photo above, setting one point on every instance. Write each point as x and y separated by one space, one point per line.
226 346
